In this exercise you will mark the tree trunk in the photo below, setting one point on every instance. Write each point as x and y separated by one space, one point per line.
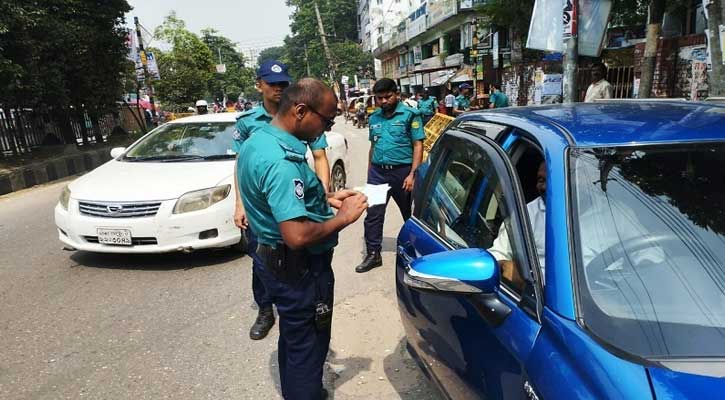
716 77
654 28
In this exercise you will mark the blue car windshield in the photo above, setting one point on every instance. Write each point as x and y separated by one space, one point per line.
649 227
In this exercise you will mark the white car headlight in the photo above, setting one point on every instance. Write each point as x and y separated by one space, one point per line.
64 198
201 199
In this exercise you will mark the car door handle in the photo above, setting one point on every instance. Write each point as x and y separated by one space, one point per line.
403 253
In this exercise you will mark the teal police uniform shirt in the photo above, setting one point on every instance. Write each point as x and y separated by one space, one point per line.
252 120
393 137
279 186
499 100
463 102
427 107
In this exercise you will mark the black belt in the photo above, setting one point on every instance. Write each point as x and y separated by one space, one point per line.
390 167
286 264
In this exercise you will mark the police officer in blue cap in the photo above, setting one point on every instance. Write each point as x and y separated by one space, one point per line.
396 150
272 79
289 210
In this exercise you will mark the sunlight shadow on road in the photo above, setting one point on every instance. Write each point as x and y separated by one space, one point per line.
154 262
399 367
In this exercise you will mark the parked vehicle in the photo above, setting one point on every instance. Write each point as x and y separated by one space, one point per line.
618 293
172 190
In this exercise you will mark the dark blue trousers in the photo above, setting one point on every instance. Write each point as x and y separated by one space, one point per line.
376 214
302 346
261 297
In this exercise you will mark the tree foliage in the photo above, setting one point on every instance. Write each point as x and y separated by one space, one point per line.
271 53
58 55
304 46
238 78
185 69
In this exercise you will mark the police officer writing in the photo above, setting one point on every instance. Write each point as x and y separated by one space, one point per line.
396 150
272 79
289 209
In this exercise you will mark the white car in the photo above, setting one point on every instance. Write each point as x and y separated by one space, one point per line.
172 190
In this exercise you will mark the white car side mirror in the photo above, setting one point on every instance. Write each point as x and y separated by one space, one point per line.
117 151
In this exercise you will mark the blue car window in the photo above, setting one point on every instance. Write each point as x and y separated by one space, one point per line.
466 209
651 248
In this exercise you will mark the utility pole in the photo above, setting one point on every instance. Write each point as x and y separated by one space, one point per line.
571 60
717 75
649 61
147 79
328 55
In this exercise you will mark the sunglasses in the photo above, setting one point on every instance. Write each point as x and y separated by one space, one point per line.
329 122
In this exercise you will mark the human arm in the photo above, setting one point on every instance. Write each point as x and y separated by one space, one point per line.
417 135
240 215
301 232
322 168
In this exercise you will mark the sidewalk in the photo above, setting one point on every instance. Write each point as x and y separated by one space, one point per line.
53 163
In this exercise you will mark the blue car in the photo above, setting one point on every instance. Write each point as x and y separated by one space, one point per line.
570 252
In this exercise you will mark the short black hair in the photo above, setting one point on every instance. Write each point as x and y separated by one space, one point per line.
309 91
600 66
385 85
495 85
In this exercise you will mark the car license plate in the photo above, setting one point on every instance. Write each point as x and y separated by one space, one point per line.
120 237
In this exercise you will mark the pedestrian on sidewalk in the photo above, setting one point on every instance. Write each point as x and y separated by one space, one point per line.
427 106
409 101
396 150
600 88
450 102
272 79
498 99
290 210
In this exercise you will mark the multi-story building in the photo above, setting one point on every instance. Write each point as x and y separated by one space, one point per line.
378 20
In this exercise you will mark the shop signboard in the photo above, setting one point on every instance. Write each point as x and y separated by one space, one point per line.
439 10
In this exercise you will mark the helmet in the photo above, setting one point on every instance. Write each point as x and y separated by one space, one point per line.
201 103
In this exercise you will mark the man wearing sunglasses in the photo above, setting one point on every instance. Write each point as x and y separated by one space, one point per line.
396 149
272 80
297 230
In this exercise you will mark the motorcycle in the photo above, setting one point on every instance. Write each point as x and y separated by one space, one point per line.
360 119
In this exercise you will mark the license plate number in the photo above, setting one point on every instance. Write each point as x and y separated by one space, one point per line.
119 237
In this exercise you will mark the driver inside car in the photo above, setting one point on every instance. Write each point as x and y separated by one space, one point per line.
501 248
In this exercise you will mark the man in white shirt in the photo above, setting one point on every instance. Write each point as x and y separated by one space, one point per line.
501 248
450 101
600 88
409 101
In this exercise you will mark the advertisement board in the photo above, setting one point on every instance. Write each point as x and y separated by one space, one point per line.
439 10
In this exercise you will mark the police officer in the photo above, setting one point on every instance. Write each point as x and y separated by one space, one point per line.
289 209
272 79
427 106
463 101
396 133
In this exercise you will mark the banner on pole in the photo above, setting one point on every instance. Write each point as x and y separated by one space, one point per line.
546 29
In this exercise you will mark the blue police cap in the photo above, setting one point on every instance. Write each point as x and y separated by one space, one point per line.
273 71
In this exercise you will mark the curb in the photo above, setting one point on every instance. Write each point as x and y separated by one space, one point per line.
52 170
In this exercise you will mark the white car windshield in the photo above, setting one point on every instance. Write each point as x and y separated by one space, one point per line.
185 141
651 247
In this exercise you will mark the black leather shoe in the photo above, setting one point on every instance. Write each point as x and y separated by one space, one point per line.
262 325
324 394
372 260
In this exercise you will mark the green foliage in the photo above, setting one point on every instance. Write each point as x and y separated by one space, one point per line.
271 53
340 21
60 53
238 78
185 69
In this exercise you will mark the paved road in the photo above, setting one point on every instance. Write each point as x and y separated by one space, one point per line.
81 325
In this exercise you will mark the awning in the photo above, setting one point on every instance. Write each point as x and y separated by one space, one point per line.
442 78
464 75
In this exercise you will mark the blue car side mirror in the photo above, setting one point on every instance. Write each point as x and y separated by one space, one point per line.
463 271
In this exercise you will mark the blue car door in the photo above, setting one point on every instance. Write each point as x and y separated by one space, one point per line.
467 347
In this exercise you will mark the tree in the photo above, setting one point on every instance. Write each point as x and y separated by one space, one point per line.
271 53
238 78
78 66
304 46
185 69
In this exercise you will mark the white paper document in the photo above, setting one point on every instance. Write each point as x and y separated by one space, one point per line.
377 194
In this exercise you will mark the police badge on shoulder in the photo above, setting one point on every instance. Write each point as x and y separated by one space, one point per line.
299 188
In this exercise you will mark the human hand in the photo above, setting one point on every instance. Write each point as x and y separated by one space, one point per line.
408 183
335 199
353 207
240 217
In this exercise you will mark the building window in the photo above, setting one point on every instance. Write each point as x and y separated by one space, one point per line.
380 30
